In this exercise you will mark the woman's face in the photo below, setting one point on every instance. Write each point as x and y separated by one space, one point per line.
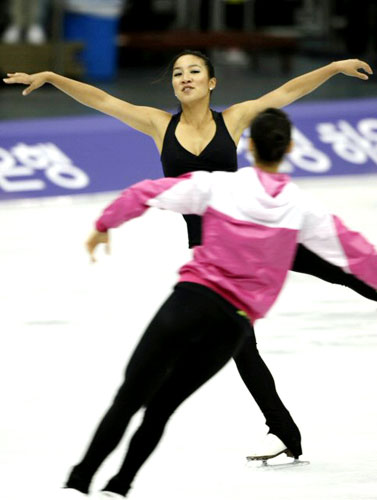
190 79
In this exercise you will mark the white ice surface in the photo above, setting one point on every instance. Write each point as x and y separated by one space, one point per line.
68 328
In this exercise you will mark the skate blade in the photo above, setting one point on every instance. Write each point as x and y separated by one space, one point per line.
271 464
263 458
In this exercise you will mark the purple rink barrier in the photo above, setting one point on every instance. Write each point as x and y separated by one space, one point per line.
331 138
65 156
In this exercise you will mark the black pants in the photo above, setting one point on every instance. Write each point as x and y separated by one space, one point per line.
255 373
260 383
194 328
309 263
193 335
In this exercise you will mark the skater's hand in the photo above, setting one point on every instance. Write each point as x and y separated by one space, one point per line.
94 240
33 82
352 67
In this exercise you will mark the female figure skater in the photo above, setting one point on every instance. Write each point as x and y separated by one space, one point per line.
199 138
252 212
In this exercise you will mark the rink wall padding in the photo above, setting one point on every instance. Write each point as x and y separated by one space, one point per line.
94 154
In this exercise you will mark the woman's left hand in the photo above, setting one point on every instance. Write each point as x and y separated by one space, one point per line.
351 67
94 240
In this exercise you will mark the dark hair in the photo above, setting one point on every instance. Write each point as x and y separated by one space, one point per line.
196 53
271 133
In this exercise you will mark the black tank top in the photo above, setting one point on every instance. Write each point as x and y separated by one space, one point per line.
219 154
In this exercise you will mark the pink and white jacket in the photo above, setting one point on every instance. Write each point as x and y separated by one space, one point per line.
252 223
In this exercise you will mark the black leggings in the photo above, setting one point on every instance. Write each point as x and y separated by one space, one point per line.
256 374
192 336
260 383
190 339
308 262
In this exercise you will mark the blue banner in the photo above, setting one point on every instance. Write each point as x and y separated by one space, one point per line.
76 155
331 138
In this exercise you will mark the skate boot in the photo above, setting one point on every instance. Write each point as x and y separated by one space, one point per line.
71 494
270 447
108 495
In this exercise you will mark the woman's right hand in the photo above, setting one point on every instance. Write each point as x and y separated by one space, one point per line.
33 82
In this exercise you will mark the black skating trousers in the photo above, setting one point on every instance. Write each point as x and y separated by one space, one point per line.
193 335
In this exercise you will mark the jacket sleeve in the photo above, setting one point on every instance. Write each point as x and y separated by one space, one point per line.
327 236
187 194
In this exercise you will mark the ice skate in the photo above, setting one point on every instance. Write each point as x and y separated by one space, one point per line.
108 495
71 494
270 448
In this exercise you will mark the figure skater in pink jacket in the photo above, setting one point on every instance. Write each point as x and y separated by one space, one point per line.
253 220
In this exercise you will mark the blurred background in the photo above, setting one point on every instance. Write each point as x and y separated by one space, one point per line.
124 46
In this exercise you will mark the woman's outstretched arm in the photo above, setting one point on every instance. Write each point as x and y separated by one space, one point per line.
240 115
148 120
